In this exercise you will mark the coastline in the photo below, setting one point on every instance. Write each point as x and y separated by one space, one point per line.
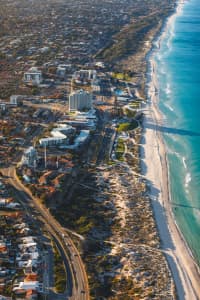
183 267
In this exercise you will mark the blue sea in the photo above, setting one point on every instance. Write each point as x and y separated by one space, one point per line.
177 58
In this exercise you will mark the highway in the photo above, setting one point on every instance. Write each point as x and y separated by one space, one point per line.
77 283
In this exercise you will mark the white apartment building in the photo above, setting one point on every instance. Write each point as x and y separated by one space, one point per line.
29 157
85 75
16 99
61 70
80 100
59 136
33 76
95 85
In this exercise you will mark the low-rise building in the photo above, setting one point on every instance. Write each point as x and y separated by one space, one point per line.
3 106
51 141
89 115
82 123
33 76
29 157
95 86
33 285
16 100
59 135
85 75
61 70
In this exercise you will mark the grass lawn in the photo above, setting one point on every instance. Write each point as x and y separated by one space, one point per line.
127 126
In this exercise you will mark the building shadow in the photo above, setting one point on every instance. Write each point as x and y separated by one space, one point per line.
171 130
143 166
177 205
161 220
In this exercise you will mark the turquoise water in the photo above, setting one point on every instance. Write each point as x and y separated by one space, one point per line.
178 78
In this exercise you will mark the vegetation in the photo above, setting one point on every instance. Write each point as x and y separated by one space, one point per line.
120 149
130 113
127 126
121 76
59 271
78 214
129 40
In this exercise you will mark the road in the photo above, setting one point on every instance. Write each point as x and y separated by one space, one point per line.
77 284
104 151
53 106
105 87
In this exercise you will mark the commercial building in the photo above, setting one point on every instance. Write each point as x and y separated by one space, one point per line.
59 136
33 76
80 100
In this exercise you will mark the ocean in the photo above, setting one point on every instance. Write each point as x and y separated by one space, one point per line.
177 67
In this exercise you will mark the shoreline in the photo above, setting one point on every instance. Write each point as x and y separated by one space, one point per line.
182 264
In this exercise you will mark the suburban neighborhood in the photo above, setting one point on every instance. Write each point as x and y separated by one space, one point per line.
72 96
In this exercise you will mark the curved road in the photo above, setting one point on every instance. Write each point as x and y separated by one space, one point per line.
72 260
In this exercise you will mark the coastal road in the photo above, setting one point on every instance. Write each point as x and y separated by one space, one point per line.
104 151
77 288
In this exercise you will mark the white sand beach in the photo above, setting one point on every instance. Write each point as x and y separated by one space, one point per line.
183 267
